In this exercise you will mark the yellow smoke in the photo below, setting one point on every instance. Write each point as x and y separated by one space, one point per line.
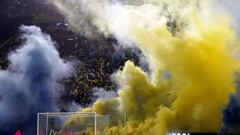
201 63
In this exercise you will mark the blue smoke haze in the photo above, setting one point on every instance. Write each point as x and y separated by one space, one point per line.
30 84
231 114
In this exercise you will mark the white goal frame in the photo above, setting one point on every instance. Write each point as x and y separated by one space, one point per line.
93 114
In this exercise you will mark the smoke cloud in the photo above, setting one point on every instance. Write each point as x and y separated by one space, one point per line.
30 83
184 39
231 116
81 14
101 93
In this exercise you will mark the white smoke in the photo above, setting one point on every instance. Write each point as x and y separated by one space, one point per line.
30 84
100 93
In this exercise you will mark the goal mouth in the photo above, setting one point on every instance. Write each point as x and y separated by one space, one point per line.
71 123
